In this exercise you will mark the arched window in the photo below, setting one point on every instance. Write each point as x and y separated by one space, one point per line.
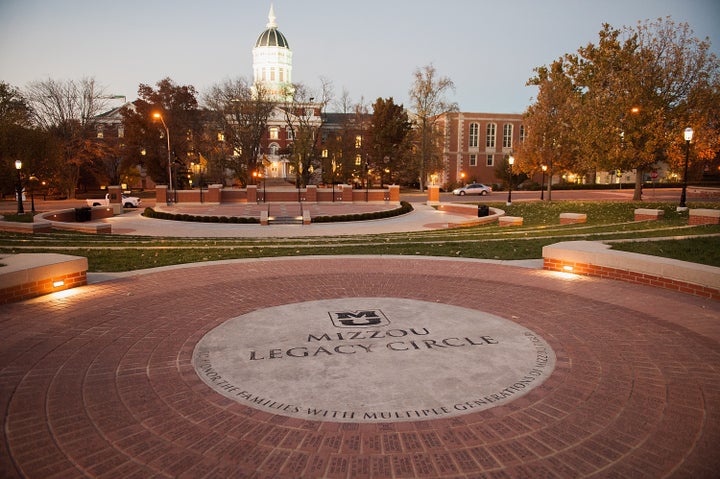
274 149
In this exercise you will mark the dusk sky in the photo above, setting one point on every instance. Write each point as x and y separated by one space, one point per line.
369 48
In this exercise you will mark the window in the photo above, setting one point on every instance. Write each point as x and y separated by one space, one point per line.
522 133
121 132
473 160
272 74
490 135
282 75
490 160
221 136
274 148
309 112
507 135
358 141
474 133
100 132
289 133
274 133
324 153
358 160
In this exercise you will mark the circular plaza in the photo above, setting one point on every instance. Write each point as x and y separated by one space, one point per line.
360 366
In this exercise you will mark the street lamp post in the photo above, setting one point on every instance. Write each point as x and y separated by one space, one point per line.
688 133
511 160
542 183
19 188
158 116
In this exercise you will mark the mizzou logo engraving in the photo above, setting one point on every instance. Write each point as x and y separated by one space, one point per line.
358 319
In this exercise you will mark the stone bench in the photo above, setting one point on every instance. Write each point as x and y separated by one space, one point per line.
704 216
27 275
571 218
510 221
648 214
593 258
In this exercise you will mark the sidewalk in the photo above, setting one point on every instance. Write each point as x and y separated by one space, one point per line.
422 218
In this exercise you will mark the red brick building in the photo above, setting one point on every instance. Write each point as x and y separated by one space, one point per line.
474 143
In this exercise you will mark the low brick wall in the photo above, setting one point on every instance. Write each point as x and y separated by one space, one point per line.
26 276
471 210
572 218
592 258
510 220
17 227
647 214
701 216
65 220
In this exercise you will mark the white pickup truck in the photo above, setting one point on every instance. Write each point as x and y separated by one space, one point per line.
127 201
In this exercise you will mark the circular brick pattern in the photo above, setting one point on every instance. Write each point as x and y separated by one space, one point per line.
100 383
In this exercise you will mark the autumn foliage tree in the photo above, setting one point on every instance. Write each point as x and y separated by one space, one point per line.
146 143
622 103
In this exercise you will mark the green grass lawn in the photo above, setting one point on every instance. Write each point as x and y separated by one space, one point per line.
606 220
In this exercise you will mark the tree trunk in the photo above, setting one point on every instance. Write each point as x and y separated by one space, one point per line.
637 194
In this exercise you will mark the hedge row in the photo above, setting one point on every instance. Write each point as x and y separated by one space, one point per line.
161 215
405 207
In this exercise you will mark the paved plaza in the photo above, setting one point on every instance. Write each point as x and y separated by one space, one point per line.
359 367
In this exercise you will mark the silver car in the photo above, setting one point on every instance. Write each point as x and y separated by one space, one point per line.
473 189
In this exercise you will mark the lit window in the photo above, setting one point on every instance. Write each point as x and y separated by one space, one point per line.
358 142
474 132
221 136
507 135
100 133
274 133
324 153
358 160
490 135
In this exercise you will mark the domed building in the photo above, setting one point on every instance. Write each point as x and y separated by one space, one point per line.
272 61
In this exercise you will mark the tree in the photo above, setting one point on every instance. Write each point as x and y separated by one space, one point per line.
146 142
66 111
389 132
304 125
551 140
633 94
427 96
19 141
242 114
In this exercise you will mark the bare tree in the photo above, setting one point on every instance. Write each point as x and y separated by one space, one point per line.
66 110
427 98
242 112
300 108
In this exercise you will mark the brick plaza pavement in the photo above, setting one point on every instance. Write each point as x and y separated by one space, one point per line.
99 383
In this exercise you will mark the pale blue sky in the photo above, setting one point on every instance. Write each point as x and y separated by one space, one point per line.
369 47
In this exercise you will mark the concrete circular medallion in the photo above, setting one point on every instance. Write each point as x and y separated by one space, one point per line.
372 360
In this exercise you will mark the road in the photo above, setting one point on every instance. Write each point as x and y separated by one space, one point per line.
661 194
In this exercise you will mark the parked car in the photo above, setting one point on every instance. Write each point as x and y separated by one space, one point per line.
127 201
473 189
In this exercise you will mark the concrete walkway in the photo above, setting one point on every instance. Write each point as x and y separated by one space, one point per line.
422 218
